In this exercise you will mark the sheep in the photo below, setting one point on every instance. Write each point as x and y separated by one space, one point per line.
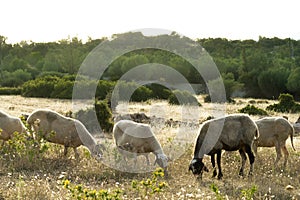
274 132
231 133
9 125
66 131
139 139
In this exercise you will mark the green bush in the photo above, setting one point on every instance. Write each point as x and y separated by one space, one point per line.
10 91
104 88
185 97
63 89
140 93
286 104
159 91
103 114
24 150
40 87
252 110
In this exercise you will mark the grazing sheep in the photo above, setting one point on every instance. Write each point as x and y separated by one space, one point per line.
59 129
138 139
273 132
9 125
231 133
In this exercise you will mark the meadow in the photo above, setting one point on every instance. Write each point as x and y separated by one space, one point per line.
52 176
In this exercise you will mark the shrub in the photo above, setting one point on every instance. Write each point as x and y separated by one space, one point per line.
40 87
143 189
286 104
103 114
104 88
140 93
159 91
252 110
80 192
10 91
23 150
183 97
63 89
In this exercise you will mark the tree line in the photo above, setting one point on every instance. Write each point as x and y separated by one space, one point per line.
264 68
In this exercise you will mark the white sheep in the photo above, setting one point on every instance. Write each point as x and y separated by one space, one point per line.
231 133
66 131
274 131
138 139
9 125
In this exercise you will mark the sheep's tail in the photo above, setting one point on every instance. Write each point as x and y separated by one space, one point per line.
291 136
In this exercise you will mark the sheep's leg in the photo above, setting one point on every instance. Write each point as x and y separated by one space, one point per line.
278 152
135 159
147 159
251 158
286 155
244 158
76 153
212 159
65 151
219 153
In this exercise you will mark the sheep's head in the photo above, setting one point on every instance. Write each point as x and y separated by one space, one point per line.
127 147
98 151
162 161
197 166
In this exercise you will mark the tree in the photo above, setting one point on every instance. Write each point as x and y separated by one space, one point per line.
293 83
133 61
272 82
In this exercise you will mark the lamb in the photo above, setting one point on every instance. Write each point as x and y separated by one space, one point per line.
274 132
9 125
66 131
138 139
231 133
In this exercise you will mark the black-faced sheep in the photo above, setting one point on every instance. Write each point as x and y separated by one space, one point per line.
9 125
231 133
273 132
59 129
138 139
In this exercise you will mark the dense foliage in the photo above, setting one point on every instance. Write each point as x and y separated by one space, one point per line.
103 114
252 110
264 68
179 97
286 104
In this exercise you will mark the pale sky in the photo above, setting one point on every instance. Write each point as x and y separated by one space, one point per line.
52 20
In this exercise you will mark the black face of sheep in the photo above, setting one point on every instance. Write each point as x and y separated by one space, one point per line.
197 166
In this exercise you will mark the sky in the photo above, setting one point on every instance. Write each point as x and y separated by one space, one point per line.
53 20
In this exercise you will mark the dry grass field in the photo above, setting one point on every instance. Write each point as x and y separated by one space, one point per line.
45 176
